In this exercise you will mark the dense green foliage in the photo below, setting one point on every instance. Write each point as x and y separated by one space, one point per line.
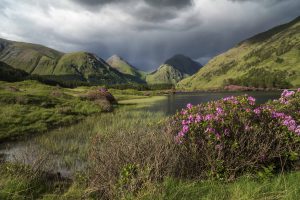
8 73
142 87
261 78
274 51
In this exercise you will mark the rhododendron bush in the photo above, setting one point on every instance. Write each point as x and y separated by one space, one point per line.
234 135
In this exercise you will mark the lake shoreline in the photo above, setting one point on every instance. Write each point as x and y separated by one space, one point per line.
224 91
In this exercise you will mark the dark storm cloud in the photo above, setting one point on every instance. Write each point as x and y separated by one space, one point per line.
276 1
98 2
145 10
143 32
170 3
155 3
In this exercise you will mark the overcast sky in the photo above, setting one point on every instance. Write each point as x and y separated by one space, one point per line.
144 32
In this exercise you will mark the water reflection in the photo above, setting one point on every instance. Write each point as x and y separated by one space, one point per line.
178 101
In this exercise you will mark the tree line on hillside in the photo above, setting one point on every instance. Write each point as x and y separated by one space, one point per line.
261 78
141 87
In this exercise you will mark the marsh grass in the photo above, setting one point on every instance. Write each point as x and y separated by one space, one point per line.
69 146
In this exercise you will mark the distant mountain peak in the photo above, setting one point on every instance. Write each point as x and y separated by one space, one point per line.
115 57
120 64
180 56
184 64
174 69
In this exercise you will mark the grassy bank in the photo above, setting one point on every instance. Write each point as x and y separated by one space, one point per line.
30 107
284 186
20 183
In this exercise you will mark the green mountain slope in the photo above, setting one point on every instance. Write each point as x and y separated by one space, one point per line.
165 74
269 59
173 70
28 57
40 60
124 67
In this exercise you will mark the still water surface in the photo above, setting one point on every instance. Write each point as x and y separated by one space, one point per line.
176 102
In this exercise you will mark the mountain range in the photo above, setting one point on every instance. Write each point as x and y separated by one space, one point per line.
268 60
86 67
43 61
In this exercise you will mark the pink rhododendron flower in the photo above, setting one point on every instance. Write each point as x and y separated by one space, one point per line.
210 130
191 118
183 112
198 118
285 96
297 131
208 117
184 122
257 111
287 93
219 111
251 100
185 128
189 106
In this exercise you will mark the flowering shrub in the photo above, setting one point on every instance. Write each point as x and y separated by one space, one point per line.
228 137
289 102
